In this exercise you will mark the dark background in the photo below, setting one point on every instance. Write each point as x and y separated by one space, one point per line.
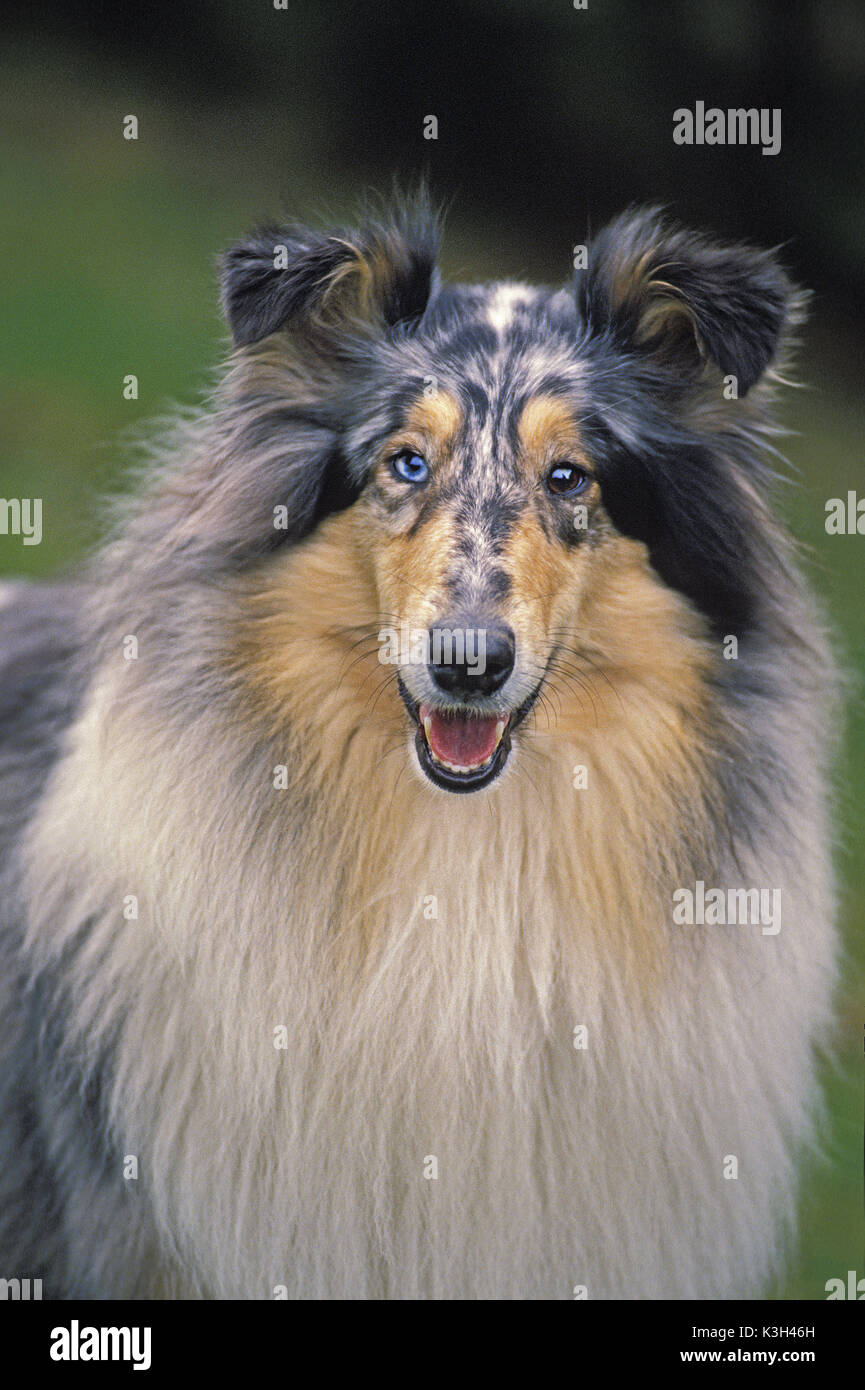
547 115
550 120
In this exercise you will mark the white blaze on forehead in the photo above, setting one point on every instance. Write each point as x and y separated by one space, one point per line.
505 301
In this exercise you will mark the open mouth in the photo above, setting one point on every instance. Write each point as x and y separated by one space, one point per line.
459 749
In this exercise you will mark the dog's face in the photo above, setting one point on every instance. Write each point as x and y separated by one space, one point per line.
530 476
486 511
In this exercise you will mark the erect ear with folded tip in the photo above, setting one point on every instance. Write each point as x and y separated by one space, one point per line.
679 299
327 283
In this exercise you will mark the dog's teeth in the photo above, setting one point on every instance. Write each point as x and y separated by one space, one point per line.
461 767
500 728
427 726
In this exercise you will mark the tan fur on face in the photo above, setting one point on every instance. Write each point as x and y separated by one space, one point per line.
438 417
411 571
628 655
431 429
306 644
546 578
410 564
547 430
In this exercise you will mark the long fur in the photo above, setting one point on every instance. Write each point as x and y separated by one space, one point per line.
422 960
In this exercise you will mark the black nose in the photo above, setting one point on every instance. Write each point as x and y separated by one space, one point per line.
470 660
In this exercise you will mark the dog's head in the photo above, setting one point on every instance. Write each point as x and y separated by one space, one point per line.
533 478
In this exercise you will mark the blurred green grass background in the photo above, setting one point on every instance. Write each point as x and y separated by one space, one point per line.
109 270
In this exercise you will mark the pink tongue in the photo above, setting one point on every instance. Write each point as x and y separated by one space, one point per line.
459 739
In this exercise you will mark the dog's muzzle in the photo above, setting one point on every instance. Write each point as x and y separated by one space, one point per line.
462 740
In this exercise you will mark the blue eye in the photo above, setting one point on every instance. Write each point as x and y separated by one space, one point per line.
410 467
566 477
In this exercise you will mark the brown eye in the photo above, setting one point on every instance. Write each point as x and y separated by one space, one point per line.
567 477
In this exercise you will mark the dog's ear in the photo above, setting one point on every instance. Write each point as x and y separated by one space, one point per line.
330 283
679 299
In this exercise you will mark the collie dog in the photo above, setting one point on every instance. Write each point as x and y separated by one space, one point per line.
391 809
